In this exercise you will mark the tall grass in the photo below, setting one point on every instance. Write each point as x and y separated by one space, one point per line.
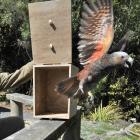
109 113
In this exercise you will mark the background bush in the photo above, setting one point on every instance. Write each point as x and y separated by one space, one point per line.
122 86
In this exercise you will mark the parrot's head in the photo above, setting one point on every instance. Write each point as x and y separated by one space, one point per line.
122 58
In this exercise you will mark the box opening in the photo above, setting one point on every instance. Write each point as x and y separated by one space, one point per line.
47 101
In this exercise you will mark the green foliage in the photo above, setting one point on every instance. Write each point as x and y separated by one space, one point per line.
121 91
108 113
15 43
127 14
124 93
118 90
2 96
76 11
135 129
122 86
13 20
106 130
123 138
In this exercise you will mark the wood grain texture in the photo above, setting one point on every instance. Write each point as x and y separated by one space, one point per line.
24 99
16 109
48 103
43 34
73 102
50 130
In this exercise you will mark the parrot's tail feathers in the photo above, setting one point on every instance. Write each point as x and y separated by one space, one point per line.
68 86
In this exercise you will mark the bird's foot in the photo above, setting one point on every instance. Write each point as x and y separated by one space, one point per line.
79 91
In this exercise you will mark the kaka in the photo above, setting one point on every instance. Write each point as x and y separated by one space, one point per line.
96 36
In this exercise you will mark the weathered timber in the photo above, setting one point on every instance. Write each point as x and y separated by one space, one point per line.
16 102
16 109
10 125
47 102
73 131
51 35
25 99
51 130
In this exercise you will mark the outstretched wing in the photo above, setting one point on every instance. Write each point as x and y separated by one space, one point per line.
122 44
96 30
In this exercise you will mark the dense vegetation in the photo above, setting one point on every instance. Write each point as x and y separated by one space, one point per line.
121 87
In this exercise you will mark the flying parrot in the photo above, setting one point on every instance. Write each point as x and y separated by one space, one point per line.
96 35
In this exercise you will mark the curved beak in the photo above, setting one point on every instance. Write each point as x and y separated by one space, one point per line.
129 62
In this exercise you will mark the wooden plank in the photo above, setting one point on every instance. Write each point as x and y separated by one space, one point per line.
43 34
48 103
73 131
16 109
38 131
25 99
16 102
73 102
47 129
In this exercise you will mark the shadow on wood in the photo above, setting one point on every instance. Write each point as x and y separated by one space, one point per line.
10 125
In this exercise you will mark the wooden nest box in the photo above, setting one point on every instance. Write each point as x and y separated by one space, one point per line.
50 24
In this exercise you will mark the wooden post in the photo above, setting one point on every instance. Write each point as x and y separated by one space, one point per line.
73 131
16 109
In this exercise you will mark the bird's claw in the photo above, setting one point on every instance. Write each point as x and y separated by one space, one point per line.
80 90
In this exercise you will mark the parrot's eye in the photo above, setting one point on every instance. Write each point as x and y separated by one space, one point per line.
122 57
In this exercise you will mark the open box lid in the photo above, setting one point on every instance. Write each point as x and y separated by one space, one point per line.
50 25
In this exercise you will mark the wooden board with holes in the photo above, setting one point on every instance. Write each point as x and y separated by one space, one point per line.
51 35
48 103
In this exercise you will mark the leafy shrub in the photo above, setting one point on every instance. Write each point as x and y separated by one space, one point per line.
14 32
108 113
122 86
124 93
2 96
